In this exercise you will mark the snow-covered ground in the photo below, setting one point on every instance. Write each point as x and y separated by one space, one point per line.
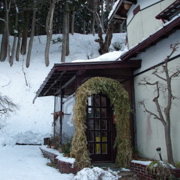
27 163
32 122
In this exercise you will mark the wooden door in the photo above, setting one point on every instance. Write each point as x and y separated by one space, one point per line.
100 128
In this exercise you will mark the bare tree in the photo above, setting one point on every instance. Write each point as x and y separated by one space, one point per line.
6 106
104 43
15 37
72 20
49 30
32 36
163 112
5 47
65 47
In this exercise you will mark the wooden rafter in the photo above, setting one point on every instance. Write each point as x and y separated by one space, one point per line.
58 79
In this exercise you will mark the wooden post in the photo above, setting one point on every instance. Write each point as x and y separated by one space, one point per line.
61 108
54 121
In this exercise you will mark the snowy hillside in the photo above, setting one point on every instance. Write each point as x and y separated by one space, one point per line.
32 122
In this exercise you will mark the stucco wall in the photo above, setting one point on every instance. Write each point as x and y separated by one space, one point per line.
150 132
144 23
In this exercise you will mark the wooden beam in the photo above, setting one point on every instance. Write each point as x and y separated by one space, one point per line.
119 17
65 85
129 2
61 75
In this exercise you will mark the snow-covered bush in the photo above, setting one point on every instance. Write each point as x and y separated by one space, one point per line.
95 173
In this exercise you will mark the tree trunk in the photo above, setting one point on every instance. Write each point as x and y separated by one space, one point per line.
31 38
5 49
93 24
168 143
14 41
4 44
84 27
73 19
18 46
65 30
25 33
49 29
67 34
102 15
104 45
7 28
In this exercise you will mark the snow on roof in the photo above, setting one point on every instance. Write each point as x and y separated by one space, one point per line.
113 9
111 56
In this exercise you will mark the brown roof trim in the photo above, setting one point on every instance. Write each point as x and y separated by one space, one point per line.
172 9
152 39
96 65
74 68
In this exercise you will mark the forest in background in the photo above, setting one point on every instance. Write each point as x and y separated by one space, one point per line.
25 19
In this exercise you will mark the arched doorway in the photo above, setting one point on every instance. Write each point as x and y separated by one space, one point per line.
119 99
100 128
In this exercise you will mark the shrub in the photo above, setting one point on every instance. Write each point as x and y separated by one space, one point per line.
117 46
58 40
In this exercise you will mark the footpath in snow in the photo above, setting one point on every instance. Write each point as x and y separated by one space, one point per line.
27 163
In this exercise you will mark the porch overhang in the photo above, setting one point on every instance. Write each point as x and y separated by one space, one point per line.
69 76
120 10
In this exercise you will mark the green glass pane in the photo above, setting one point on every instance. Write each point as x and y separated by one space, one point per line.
90 124
103 101
91 136
90 113
91 148
98 148
104 124
104 136
97 100
97 113
104 113
104 148
97 124
98 137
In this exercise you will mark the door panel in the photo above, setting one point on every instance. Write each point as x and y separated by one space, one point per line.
99 128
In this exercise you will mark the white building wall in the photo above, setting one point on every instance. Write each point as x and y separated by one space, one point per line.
144 22
68 125
150 132
67 122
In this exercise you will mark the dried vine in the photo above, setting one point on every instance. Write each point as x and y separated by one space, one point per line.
120 100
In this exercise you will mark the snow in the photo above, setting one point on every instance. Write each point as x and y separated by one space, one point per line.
110 56
27 163
147 163
113 9
142 162
33 122
59 155
95 173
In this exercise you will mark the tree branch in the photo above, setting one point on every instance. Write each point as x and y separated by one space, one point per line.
146 110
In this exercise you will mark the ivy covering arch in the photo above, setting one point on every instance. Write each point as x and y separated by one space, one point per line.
119 99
